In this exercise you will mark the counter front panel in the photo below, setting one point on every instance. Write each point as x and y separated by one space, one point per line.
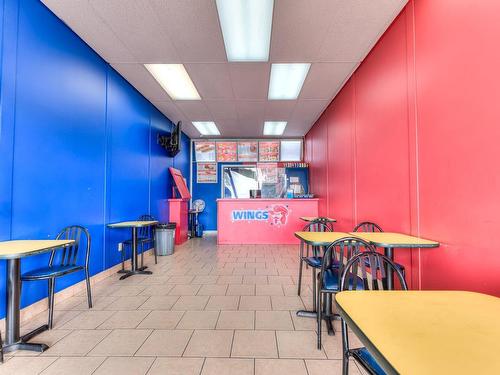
262 221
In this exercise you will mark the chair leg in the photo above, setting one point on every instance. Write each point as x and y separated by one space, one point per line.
1 349
52 284
313 271
89 291
345 349
319 319
301 264
142 255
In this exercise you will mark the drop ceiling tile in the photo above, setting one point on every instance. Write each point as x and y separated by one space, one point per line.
250 111
222 109
279 109
355 26
142 80
325 79
194 110
296 128
82 19
212 80
250 80
193 26
299 28
139 28
308 111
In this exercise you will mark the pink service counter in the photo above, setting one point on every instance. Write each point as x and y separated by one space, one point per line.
262 221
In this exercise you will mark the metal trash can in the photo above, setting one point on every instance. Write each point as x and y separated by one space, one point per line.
165 238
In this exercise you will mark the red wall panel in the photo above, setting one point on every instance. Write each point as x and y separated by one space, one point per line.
411 141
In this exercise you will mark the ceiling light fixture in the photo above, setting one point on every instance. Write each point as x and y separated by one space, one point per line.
274 127
287 81
206 127
246 28
175 81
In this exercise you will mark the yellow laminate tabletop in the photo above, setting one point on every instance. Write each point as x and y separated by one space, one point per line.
23 248
320 238
312 218
426 332
399 240
131 224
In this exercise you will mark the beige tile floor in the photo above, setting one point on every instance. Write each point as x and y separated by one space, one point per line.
206 310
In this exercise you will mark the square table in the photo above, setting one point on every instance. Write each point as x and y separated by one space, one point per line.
319 239
134 225
390 241
426 332
13 251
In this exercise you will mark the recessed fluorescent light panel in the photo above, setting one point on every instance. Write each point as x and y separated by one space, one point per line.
206 127
175 81
246 28
274 127
287 80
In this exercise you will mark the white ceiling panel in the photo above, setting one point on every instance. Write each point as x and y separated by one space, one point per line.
277 110
211 80
356 25
143 81
325 79
250 80
222 109
195 25
138 27
81 18
299 29
333 35
195 110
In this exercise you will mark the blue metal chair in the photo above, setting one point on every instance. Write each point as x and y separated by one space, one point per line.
368 226
315 260
145 235
334 259
63 262
370 270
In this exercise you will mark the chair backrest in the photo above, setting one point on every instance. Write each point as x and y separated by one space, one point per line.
339 252
145 231
69 254
373 269
317 226
367 226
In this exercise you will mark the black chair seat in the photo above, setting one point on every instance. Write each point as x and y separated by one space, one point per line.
331 281
366 359
317 261
50 272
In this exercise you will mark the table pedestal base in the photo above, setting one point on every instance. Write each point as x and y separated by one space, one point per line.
139 271
314 314
23 343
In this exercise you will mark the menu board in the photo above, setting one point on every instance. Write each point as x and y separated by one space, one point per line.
247 151
227 151
205 151
206 173
269 151
268 172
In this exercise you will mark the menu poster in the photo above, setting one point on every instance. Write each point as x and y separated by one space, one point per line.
227 151
247 151
205 151
206 173
269 151
268 172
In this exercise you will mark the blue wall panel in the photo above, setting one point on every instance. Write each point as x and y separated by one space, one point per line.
77 140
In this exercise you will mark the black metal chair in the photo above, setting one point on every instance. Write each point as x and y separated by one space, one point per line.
145 235
313 261
368 226
63 262
334 259
366 271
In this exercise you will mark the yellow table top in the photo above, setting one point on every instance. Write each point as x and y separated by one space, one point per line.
320 238
131 224
312 218
23 248
395 240
426 332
